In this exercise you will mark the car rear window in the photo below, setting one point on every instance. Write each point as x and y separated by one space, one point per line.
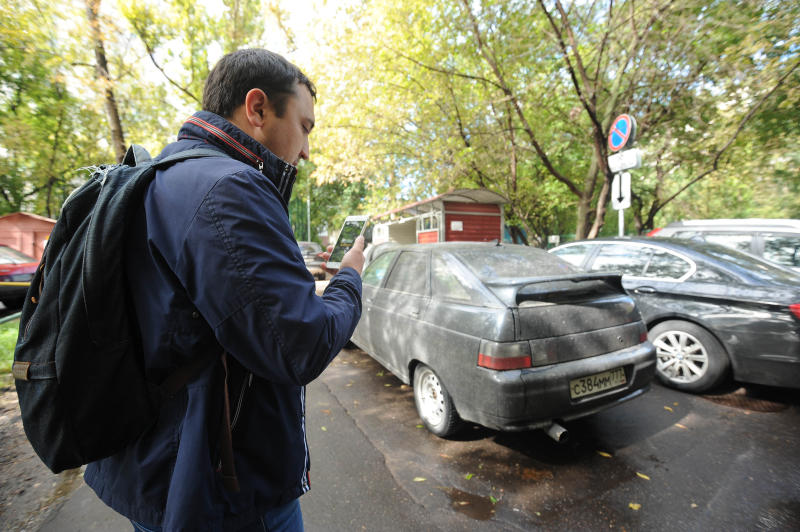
493 262
451 282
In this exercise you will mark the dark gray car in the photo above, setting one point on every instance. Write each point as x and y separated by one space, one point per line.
712 311
506 336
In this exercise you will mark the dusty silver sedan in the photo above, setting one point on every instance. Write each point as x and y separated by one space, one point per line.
509 337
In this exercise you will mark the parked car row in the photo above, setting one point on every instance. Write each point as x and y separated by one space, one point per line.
514 338
774 240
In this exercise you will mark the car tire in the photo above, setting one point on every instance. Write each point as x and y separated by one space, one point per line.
434 405
14 303
688 357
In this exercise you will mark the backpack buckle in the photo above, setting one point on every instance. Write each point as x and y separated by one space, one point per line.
21 370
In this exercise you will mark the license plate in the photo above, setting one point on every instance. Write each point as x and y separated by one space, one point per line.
596 383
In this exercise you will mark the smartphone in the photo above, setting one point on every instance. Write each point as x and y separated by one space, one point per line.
353 227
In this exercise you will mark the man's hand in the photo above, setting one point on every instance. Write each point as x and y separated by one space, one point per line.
354 258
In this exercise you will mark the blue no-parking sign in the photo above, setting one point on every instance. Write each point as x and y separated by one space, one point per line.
622 133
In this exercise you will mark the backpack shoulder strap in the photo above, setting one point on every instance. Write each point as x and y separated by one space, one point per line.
186 154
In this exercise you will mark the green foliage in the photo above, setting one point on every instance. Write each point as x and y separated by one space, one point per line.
424 96
330 202
46 131
8 340
517 97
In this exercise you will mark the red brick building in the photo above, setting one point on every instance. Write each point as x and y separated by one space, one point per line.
465 215
26 232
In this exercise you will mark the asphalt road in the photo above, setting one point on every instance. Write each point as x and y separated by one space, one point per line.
666 461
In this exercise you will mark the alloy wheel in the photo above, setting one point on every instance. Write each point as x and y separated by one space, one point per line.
681 357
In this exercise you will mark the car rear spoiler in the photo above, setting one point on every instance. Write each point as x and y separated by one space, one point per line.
558 286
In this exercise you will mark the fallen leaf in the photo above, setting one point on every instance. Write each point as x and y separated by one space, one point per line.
634 505
604 454
387 385
419 479
675 403
694 505
668 408
420 426
442 455
380 374
326 412
539 514
681 426
468 476
529 473
642 475
463 503
324 429
491 498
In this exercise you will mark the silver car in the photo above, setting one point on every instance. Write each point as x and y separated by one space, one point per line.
506 336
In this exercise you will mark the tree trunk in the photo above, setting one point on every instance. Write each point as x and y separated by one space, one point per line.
101 71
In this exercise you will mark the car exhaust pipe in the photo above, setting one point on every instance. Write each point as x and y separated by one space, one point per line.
557 432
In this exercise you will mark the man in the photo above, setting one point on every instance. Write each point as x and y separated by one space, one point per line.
213 266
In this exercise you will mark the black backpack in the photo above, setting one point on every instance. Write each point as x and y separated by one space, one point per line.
78 361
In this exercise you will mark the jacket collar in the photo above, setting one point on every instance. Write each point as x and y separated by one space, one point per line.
219 132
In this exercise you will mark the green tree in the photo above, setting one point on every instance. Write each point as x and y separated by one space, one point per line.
47 132
518 96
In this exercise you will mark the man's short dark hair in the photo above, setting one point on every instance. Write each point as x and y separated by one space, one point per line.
254 68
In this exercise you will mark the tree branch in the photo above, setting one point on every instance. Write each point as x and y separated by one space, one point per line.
151 54
444 71
738 130
515 102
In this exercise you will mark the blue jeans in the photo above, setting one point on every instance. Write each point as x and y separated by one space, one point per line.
286 518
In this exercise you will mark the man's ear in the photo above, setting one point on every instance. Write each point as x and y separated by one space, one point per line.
255 104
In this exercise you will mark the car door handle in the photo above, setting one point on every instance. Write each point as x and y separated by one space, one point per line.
645 290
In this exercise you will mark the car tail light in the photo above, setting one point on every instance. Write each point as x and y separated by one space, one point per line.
654 232
795 308
503 356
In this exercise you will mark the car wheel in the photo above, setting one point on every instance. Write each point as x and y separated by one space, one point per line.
434 405
688 357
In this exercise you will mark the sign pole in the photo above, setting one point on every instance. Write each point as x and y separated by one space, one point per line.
621 135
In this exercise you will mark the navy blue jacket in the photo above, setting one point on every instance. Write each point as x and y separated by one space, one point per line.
213 264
